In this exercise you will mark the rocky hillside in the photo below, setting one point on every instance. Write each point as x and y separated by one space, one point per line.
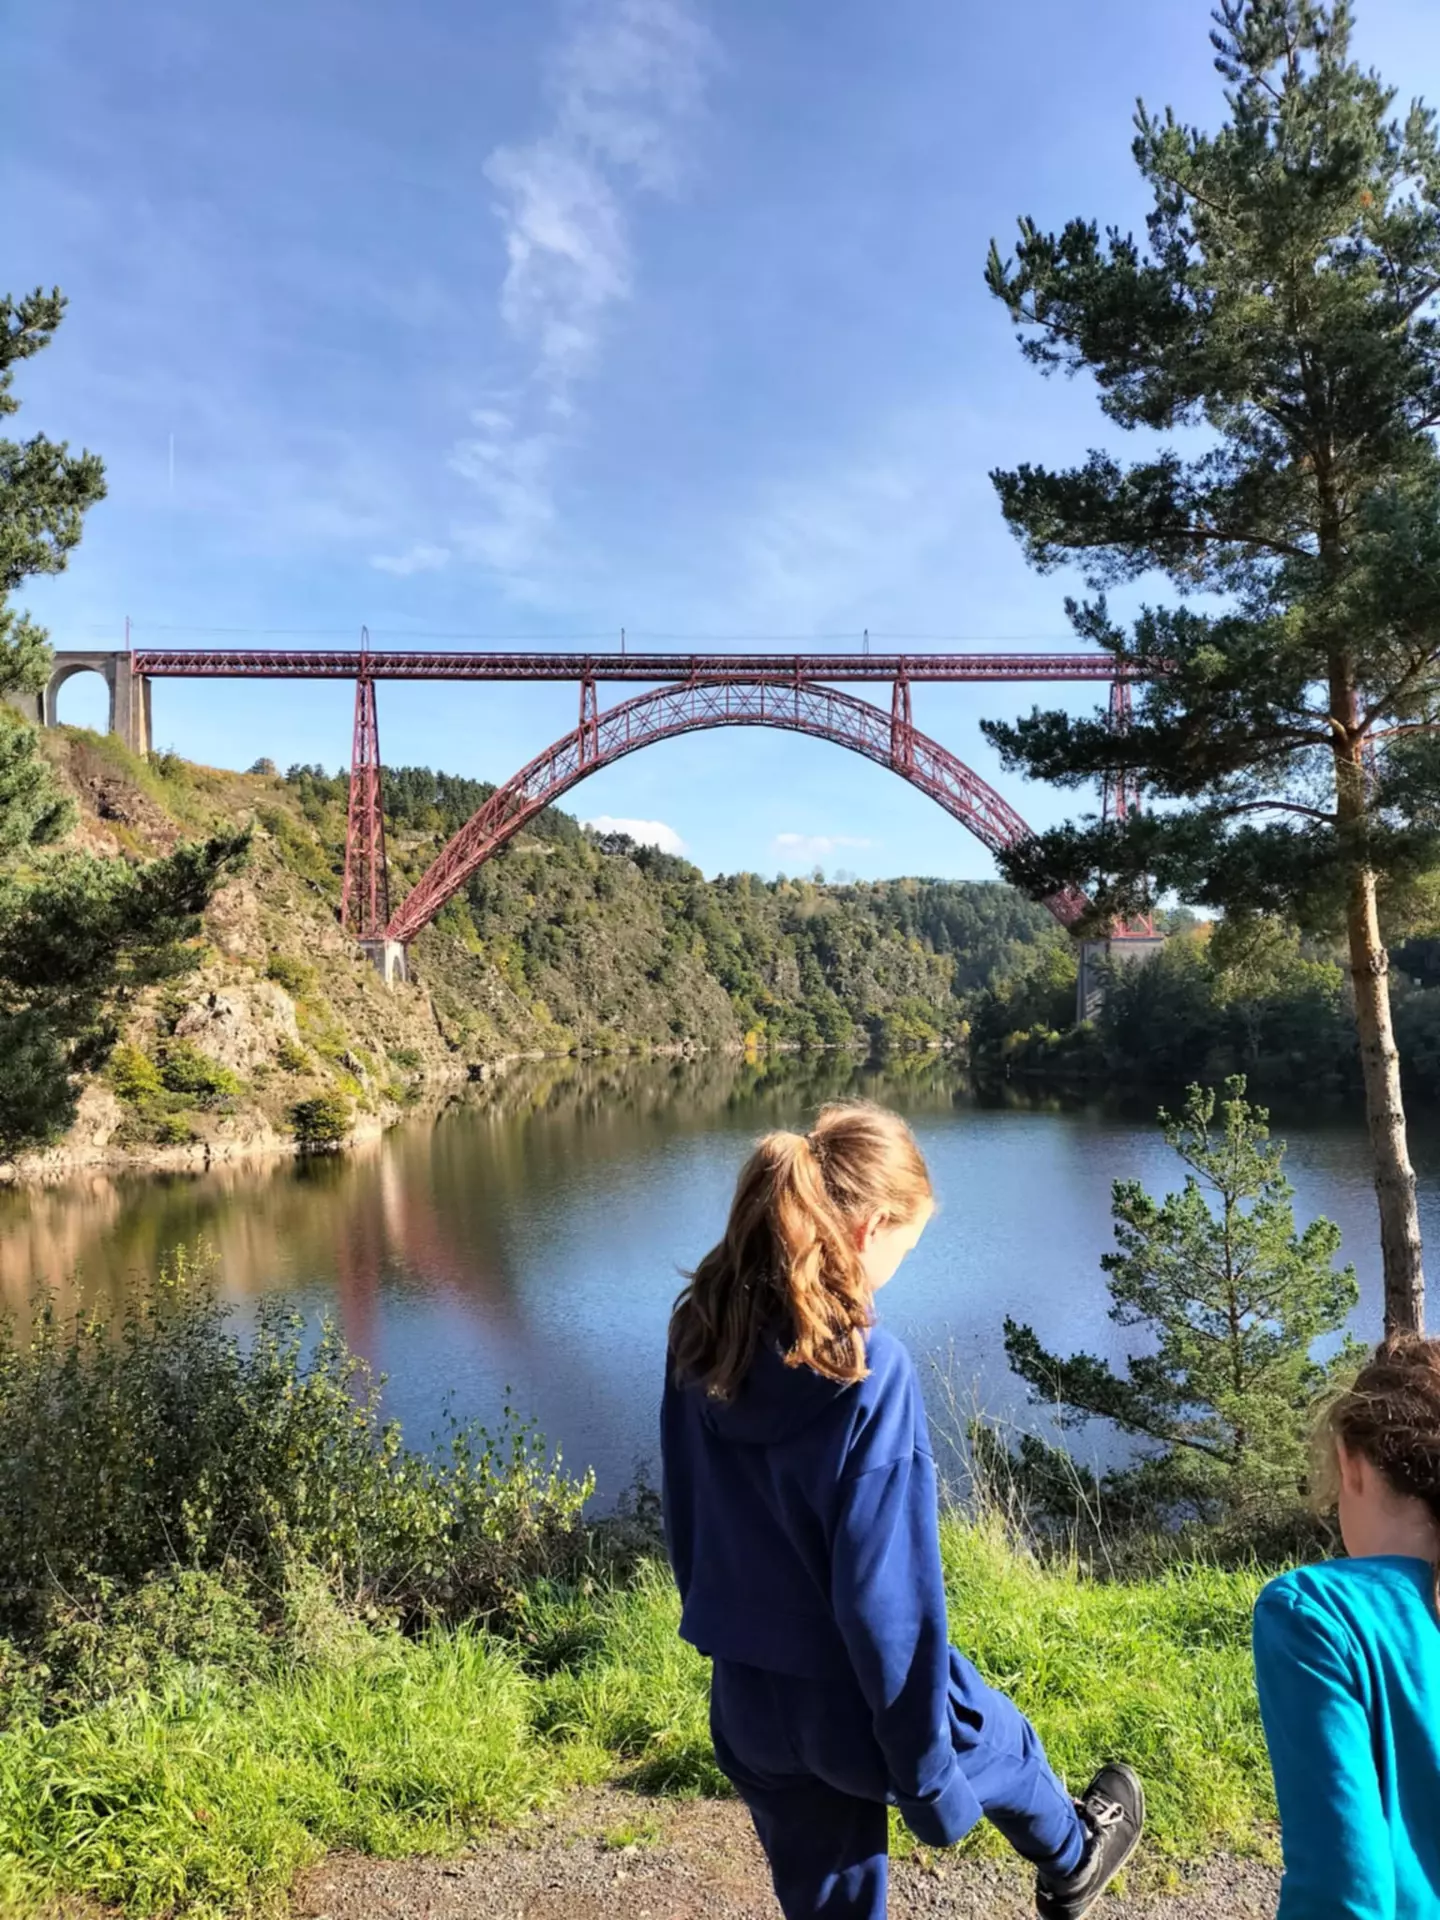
565 942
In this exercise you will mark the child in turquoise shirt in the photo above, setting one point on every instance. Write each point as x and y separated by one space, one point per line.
1347 1660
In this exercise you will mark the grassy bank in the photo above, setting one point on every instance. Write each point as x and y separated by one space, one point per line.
246 1625
204 1789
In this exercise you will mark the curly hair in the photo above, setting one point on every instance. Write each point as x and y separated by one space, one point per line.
788 1263
1390 1416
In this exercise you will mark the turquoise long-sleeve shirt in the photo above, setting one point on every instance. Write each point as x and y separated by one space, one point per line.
1347 1662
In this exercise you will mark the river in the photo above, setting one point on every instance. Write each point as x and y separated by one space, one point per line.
528 1239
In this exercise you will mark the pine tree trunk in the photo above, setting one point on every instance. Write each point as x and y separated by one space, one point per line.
1385 1112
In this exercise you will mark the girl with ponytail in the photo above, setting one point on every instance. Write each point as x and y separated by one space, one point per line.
1347 1658
801 1521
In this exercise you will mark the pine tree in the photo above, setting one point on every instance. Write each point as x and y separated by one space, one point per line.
78 935
1286 308
1232 1300
45 491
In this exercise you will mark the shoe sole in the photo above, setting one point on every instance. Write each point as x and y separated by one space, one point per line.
1057 1911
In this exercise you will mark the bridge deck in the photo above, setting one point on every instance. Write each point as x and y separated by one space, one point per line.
393 664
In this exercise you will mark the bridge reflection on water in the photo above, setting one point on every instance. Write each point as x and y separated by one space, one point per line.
530 1233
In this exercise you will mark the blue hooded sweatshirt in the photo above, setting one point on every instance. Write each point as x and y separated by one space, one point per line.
801 1522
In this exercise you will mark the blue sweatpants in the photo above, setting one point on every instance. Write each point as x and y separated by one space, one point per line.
803 1757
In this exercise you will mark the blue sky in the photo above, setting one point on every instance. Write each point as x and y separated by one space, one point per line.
540 318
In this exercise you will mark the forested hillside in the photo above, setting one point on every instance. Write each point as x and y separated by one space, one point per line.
594 941
567 940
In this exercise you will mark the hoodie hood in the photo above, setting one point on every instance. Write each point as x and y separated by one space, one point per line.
774 1402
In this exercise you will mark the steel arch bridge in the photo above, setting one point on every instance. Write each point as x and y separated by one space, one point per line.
795 706
687 692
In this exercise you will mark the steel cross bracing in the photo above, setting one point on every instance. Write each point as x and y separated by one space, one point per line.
265 664
365 893
889 739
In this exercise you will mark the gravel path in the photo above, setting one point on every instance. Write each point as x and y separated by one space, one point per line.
609 1855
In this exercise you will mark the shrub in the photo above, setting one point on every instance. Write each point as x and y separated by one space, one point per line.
137 1439
134 1075
322 1121
296 976
291 1058
184 1069
407 1058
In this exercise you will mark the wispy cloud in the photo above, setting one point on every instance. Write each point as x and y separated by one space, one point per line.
810 847
866 527
622 88
647 833
510 472
418 558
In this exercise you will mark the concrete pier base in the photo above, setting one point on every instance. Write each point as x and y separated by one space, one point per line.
1098 958
388 959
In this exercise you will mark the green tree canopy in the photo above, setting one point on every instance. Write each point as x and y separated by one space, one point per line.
78 935
45 492
1280 333
1232 1301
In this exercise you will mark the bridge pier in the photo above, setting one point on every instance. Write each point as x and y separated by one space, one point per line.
388 957
129 693
1099 957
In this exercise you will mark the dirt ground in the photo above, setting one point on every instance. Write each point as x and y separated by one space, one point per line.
610 1855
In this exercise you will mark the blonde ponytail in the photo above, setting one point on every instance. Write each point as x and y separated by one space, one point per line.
788 1266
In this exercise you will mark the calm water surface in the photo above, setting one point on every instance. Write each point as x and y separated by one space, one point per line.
530 1236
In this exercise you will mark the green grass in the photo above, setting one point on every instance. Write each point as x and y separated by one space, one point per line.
1155 1671
204 1796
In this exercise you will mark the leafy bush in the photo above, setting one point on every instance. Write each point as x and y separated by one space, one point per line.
292 1058
134 1075
407 1058
297 977
322 1121
101 1640
152 1437
185 1069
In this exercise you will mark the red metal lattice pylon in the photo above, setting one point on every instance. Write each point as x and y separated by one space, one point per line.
365 895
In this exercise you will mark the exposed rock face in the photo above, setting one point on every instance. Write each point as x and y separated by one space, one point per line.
233 920
97 1117
241 1027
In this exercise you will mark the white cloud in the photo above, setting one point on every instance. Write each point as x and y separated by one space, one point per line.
567 250
648 833
510 472
807 848
623 87
418 558
864 528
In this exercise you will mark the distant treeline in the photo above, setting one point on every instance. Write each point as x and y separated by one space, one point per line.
1255 998
610 944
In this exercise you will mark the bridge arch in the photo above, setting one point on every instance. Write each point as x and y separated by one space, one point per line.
128 705
796 706
88 672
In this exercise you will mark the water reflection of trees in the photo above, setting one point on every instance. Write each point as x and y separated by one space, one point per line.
426 1207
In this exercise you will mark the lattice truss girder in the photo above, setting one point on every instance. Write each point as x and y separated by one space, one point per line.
670 711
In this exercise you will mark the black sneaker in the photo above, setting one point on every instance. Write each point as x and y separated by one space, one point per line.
1113 1808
